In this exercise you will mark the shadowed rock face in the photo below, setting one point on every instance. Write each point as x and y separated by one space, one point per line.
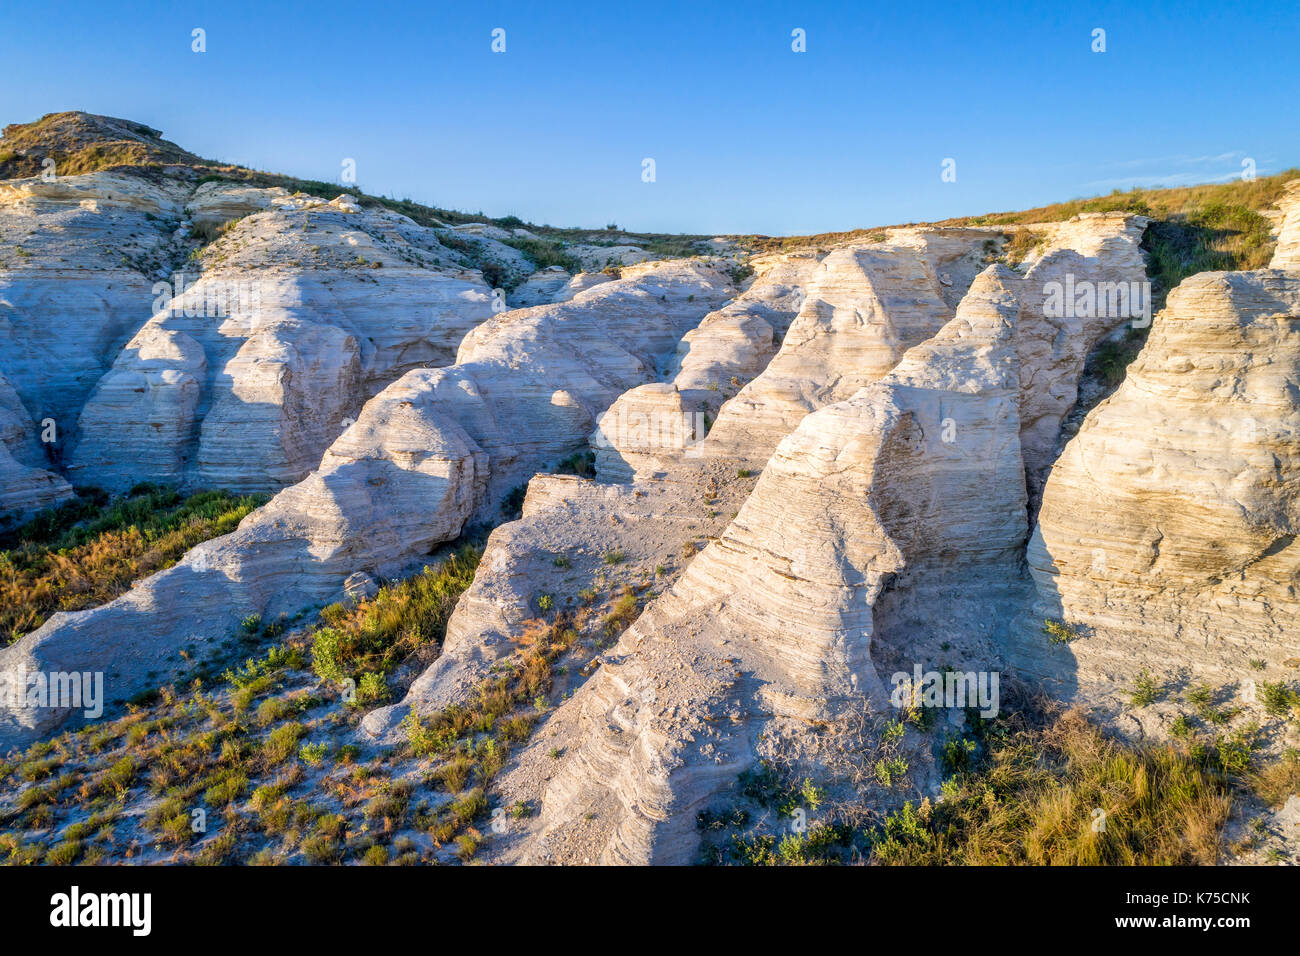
304 310
1173 513
26 486
774 621
1097 255
69 294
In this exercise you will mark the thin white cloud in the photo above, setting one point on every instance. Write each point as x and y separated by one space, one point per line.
1182 170
1180 160
1166 180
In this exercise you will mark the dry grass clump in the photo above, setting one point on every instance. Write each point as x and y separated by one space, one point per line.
474 741
1038 785
1278 781
1061 792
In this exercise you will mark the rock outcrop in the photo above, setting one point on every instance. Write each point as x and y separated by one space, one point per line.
1287 253
653 433
303 310
917 474
1086 280
650 428
71 287
1169 522
399 481
430 451
26 483
867 304
557 548
530 384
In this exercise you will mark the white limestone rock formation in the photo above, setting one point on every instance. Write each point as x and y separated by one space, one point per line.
26 483
427 453
529 385
874 300
214 204
867 304
648 523
917 475
651 433
647 431
956 254
303 311
142 417
1085 282
1287 253
399 481
71 286
1168 525
291 386
565 517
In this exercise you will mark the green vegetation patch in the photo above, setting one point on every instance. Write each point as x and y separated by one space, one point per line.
88 551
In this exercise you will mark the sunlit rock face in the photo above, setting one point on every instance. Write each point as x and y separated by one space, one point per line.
1174 511
918 475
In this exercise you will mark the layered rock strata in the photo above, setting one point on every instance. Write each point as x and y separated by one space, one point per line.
918 474
303 310
1170 519
430 451
399 481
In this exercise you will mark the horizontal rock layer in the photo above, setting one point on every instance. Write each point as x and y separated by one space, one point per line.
1173 513
919 473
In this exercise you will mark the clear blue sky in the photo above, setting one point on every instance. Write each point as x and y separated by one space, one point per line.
747 135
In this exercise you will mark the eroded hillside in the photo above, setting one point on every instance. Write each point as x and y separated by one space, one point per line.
624 565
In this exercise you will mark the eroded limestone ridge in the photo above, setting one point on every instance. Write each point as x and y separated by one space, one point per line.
432 450
247 370
70 296
672 484
771 626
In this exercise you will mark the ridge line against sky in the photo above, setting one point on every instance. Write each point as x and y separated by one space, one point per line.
746 134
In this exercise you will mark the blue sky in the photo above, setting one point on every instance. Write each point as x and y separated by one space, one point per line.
747 136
